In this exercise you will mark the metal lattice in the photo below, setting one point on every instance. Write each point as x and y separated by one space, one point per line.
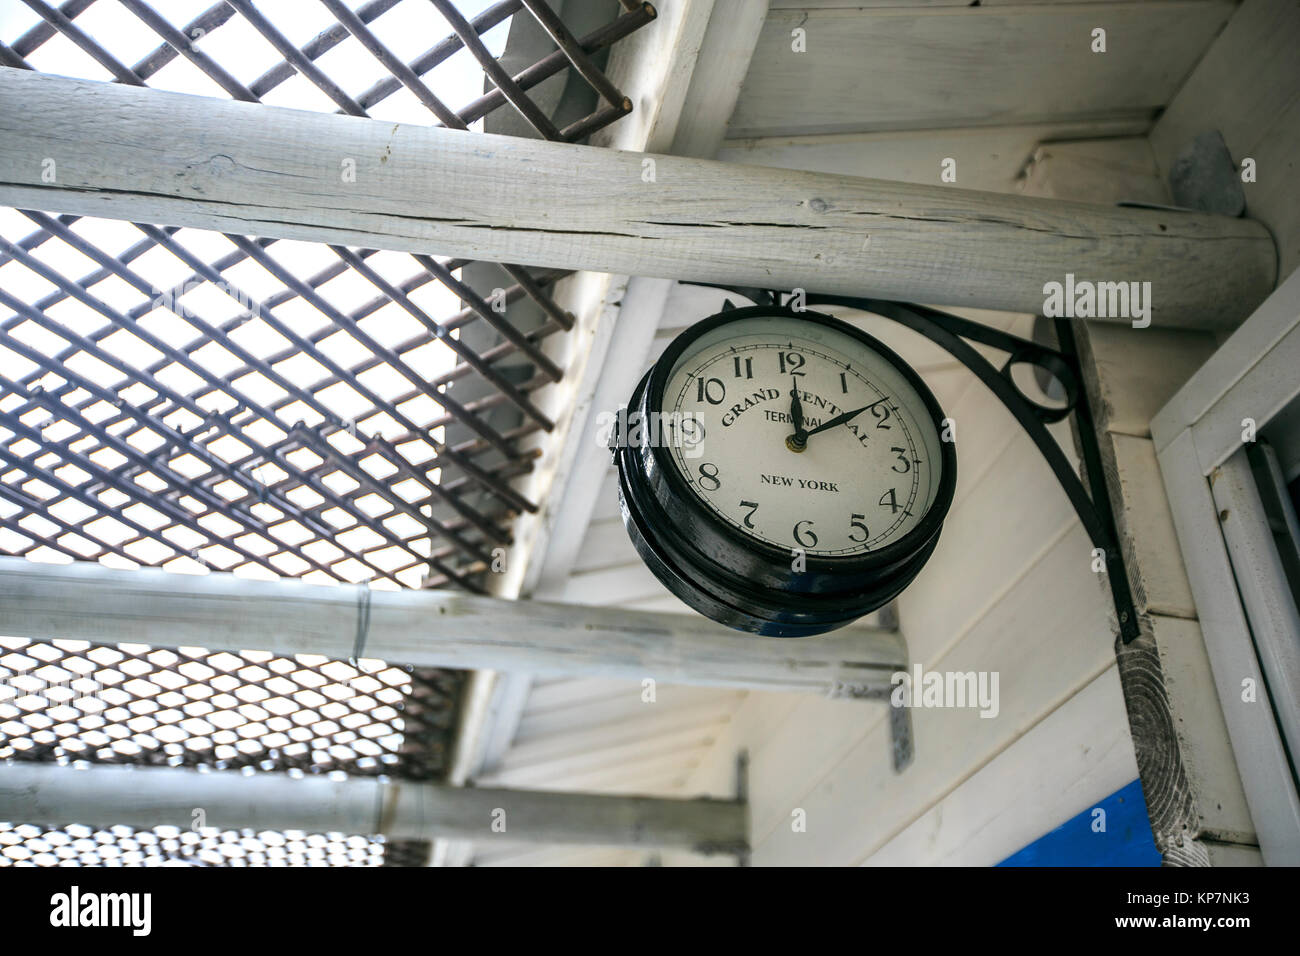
29 845
129 703
178 398
73 702
277 441
190 400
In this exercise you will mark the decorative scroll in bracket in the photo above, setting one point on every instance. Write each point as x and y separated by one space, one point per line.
1091 501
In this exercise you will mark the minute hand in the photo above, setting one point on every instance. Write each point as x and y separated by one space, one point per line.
838 420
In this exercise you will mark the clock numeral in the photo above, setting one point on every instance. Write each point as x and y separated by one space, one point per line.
686 431
844 383
902 460
880 410
704 390
709 480
890 498
790 361
856 525
752 506
805 538
749 367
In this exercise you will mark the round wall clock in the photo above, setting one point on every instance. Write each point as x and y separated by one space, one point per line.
783 473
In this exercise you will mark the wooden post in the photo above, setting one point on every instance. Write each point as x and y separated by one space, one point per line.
1193 794
1193 791
153 156
87 601
104 796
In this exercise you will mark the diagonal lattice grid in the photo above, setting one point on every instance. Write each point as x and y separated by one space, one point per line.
29 845
77 703
292 422
71 701
195 401
289 438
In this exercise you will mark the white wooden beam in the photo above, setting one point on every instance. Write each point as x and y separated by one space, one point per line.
572 504
654 68
685 79
725 53
89 602
1189 778
104 796
262 170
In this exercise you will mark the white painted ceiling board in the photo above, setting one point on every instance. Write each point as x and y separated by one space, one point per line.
618 751
647 774
1008 521
607 504
668 604
989 158
522 854
1248 87
704 702
616 585
1116 170
575 691
657 723
918 68
606 546
850 4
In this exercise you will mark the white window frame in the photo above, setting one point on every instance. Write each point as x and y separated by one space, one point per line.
1247 613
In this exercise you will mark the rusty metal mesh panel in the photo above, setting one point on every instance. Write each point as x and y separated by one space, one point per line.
180 398
294 431
129 703
362 59
70 701
194 401
73 845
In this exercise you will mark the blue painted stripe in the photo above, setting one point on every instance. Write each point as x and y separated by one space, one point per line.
1125 841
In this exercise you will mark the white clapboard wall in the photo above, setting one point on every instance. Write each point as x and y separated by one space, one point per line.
1009 589
891 89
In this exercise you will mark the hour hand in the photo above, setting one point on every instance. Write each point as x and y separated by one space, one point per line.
796 441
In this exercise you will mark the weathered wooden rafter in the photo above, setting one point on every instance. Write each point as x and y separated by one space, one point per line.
86 601
237 167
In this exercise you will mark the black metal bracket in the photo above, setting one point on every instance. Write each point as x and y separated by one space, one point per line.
950 332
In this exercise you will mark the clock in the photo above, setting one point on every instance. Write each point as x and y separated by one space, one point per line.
783 472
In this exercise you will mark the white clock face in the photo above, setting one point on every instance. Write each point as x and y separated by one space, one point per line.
853 485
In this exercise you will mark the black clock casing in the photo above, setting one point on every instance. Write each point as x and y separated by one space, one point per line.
741 581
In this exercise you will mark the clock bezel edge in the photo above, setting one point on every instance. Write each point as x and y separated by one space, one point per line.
660 467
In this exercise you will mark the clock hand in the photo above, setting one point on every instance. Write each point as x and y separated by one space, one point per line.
798 440
837 420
